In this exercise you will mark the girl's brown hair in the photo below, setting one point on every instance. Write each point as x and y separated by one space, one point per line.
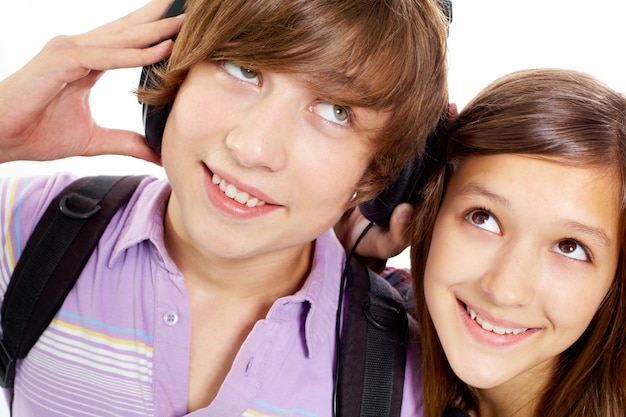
388 55
574 119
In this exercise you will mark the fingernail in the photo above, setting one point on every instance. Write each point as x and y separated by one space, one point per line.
405 215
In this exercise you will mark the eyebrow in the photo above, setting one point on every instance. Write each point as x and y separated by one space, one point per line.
473 189
596 234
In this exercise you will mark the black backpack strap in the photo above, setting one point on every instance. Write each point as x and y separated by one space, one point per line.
373 347
53 258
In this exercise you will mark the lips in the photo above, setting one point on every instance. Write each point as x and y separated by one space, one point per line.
493 327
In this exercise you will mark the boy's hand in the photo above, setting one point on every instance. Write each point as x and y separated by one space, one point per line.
44 107
378 243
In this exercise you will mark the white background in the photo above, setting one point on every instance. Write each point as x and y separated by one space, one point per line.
488 38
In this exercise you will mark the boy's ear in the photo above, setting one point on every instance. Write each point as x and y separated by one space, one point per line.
406 188
154 118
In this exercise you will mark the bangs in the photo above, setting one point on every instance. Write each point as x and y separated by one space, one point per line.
356 53
380 55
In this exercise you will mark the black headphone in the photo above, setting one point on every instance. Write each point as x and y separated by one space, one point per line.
405 188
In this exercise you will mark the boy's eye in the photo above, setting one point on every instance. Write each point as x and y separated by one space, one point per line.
333 112
243 73
484 220
571 249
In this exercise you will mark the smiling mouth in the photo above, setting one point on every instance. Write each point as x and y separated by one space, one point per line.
233 193
492 327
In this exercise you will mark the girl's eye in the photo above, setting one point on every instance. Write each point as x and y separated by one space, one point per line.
243 73
571 249
484 220
333 112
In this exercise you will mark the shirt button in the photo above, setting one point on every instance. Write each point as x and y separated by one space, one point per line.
170 318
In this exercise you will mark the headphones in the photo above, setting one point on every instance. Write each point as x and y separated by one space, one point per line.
405 188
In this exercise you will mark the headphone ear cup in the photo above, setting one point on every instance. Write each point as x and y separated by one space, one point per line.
154 118
406 188
403 189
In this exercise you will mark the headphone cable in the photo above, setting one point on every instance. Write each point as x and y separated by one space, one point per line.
339 316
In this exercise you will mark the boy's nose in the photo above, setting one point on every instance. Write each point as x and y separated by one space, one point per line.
262 135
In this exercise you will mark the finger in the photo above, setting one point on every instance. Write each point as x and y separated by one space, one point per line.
121 142
400 221
398 236
103 59
131 35
378 243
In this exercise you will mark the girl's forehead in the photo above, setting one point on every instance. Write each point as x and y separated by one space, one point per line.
558 181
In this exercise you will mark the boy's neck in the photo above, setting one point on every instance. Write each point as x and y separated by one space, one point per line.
266 277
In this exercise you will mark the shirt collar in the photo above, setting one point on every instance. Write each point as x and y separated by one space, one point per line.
144 220
315 304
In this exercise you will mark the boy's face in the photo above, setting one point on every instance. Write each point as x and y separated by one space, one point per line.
523 252
257 163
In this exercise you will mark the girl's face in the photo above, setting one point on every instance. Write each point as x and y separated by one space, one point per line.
257 162
523 252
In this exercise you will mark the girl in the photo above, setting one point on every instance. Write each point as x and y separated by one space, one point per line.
521 297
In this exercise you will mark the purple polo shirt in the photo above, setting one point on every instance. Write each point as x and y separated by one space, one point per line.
119 346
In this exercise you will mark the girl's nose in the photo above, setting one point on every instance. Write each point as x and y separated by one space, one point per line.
511 279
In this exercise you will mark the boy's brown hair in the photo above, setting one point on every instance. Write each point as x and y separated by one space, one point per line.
385 55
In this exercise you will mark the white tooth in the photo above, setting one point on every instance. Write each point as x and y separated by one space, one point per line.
498 330
231 191
242 197
491 327
487 326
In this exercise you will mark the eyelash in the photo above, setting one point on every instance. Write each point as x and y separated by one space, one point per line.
225 64
349 111
581 245
578 243
469 211
226 67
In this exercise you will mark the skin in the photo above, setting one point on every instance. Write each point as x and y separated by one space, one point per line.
45 105
272 138
46 116
534 245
